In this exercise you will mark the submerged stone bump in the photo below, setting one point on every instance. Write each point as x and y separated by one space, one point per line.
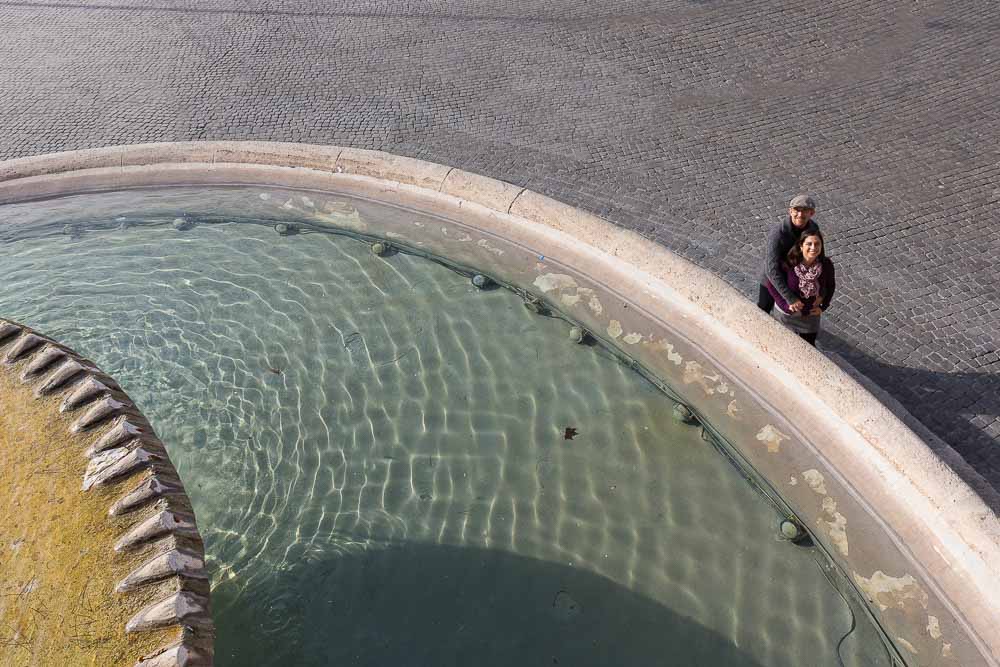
182 224
172 563
379 248
180 608
62 374
683 415
789 530
84 392
8 329
175 656
150 489
129 463
286 229
792 530
480 281
155 526
103 409
42 359
22 346
122 431
577 334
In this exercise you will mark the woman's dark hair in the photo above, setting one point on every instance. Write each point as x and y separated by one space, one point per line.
794 256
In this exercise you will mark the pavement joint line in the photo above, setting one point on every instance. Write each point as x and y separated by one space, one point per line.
443 180
511 205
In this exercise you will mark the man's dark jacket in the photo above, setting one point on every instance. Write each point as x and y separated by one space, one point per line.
779 241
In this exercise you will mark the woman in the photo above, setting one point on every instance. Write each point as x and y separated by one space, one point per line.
811 277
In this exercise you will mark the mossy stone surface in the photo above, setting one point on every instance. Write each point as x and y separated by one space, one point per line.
58 570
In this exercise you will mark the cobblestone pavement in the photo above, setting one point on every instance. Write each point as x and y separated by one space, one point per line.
690 122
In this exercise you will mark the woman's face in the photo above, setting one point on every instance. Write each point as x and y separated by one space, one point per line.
811 248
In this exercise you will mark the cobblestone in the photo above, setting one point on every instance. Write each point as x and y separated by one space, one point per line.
690 122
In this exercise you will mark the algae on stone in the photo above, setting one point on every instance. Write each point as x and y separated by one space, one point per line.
58 569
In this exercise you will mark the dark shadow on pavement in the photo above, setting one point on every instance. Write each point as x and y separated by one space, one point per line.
939 403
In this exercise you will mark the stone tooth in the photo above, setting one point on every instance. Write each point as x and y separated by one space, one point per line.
149 489
84 391
175 656
171 563
180 608
116 435
129 463
155 526
22 346
104 459
8 329
99 411
41 360
63 373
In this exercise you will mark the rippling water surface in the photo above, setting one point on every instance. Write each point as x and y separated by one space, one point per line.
378 459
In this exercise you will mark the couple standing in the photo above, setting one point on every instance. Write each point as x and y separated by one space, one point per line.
798 277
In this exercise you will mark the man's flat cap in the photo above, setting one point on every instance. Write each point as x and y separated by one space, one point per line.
802 201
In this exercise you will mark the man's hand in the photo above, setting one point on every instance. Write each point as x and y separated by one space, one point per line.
816 311
796 307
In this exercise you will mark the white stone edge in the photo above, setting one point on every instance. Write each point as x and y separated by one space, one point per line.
873 449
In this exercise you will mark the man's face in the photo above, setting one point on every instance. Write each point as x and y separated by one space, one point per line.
800 216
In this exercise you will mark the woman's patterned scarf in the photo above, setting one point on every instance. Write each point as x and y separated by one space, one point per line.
808 278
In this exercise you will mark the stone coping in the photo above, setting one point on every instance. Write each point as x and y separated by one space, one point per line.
110 549
915 538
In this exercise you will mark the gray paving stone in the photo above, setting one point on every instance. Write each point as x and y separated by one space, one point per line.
690 122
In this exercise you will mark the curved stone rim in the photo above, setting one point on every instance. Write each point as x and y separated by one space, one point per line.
936 521
124 448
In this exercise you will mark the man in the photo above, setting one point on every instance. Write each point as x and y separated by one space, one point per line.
779 241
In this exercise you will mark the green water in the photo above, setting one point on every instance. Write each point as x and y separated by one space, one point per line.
377 453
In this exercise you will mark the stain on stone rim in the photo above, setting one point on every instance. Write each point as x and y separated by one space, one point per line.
126 454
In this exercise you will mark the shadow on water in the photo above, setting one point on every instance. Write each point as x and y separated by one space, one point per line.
423 605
